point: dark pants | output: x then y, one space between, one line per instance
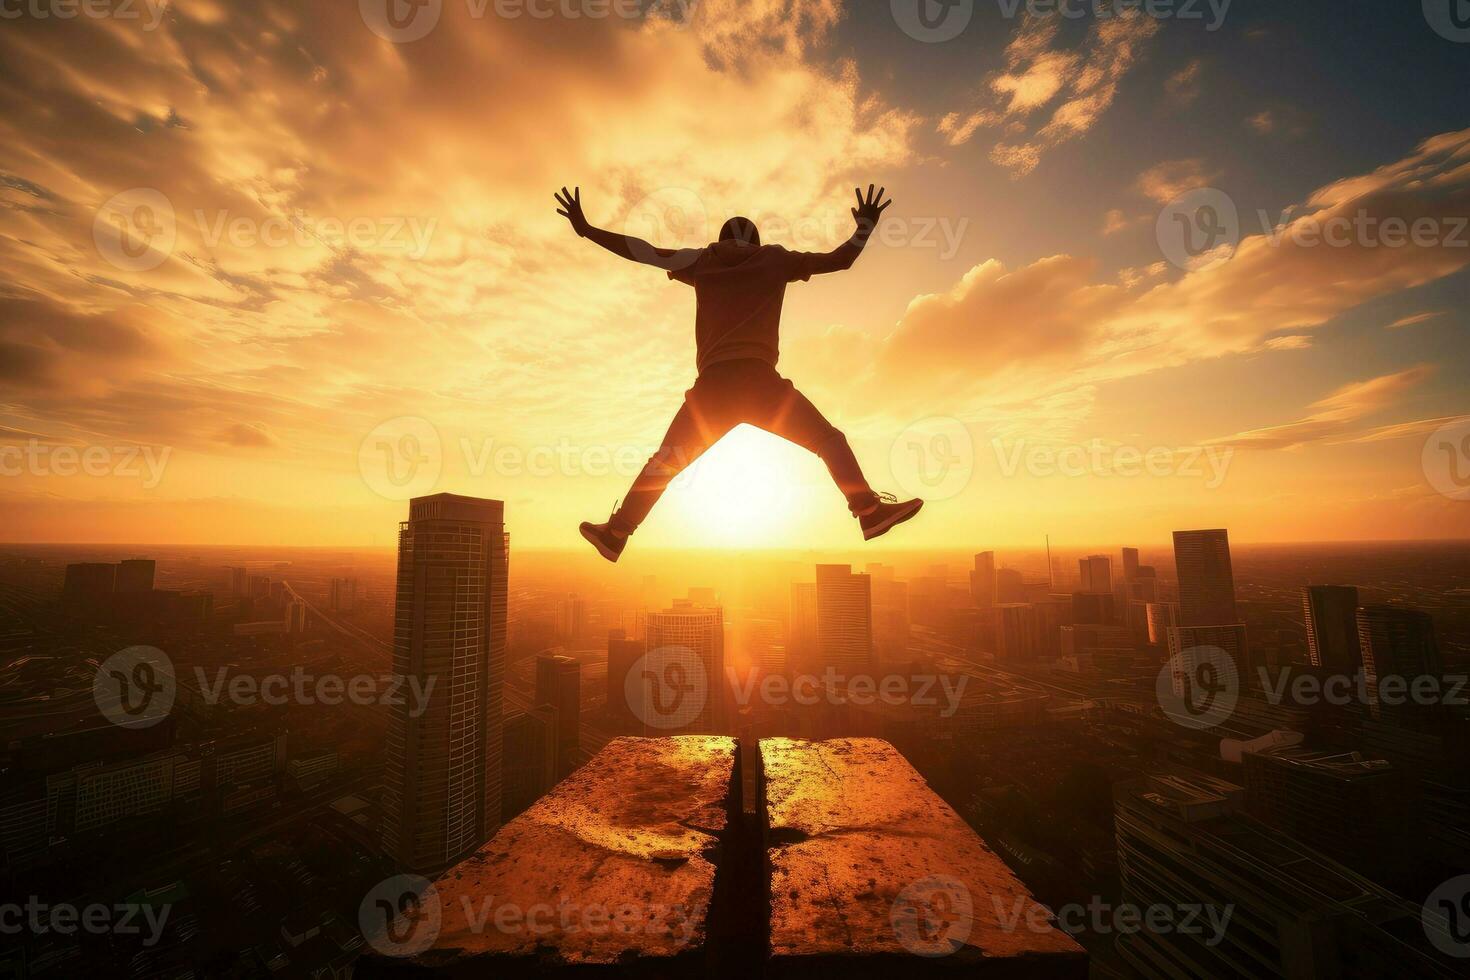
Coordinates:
725 395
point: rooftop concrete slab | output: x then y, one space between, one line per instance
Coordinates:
871 872
613 871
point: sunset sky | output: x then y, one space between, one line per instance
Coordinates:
336 254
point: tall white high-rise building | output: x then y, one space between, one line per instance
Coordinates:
686 649
844 618
801 641
442 765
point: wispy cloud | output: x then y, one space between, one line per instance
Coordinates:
1047 95
1171 179
1416 319
1337 417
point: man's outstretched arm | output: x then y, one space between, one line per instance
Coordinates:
626 246
867 215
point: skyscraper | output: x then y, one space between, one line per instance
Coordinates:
134 575
89 581
1162 617
698 634
530 758
559 685
844 618
1305 793
1271 906
1010 586
1017 632
1396 643
1130 565
890 613
1094 608
1332 627
982 580
622 656
239 578
442 763
801 642
342 595
1206 582
1096 572
573 617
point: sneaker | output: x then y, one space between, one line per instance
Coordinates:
886 513
609 544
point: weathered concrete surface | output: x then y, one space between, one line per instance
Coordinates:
613 870
872 873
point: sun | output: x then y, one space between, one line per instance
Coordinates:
751 489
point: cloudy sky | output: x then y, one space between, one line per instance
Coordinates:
272 267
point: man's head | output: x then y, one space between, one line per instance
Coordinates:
740 230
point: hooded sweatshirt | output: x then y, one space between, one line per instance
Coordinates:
738 290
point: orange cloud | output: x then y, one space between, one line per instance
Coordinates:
1077 87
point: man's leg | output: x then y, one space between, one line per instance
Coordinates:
688 437
795 418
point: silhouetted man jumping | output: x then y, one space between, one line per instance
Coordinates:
738 286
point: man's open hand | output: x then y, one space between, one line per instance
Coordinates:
869 211
571 209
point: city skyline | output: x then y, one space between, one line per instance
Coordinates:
920 658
